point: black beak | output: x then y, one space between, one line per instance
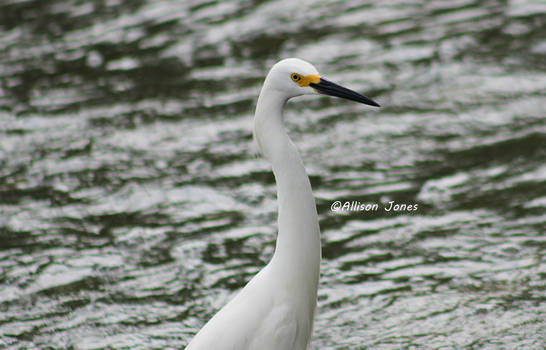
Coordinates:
326 87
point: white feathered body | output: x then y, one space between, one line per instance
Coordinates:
275 310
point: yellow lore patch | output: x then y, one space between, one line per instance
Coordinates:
304 81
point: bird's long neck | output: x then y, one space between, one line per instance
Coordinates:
297 253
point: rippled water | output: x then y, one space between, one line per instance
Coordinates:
132 205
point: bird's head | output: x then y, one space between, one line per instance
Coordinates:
295 77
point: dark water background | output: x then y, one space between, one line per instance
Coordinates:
132 206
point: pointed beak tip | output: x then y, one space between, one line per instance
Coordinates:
368 101
327 87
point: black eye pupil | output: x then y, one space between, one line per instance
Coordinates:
295 77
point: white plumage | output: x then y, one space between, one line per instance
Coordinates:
275 310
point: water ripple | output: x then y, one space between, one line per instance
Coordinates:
132 206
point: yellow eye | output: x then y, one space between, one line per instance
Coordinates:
295 77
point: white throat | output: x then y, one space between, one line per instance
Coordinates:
298 252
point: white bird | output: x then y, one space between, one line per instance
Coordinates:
275 310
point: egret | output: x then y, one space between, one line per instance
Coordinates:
275 310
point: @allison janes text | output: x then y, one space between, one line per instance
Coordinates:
356 206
